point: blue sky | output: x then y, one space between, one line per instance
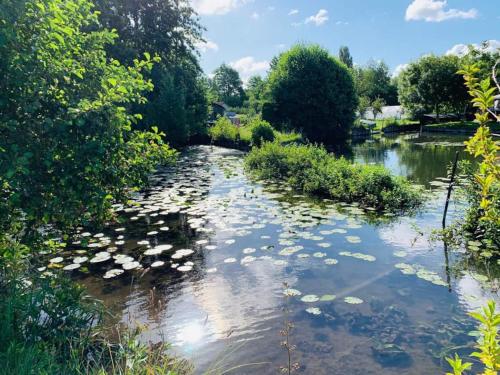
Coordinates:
248 33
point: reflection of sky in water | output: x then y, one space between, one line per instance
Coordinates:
206 314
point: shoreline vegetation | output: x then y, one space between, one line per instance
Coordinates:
312 170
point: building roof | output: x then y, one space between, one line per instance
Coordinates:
221 104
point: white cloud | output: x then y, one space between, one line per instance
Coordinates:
281 46
293 12
248 66
319 19
462 49
435 11
255 15
216 7
208 45
399 69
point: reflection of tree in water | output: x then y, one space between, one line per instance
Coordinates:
422 158
425 162
374 150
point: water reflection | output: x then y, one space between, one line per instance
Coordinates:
421 158
249 237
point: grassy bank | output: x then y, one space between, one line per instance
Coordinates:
224 133
468 127
314 171
50 326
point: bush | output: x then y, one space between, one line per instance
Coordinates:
224 131
262 131
311 92
312 170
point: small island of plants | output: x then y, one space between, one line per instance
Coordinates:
312 170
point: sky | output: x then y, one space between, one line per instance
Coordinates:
247 34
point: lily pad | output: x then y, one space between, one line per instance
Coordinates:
353 300
314 310
310 298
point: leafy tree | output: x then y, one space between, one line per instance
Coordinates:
256 92
431 84
377 107
363 106
228 86
67 147
345 56
311 91
169 29
374 81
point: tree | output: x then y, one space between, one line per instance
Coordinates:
256 92
171 30
345 56
67 147
377 107
363 106
228 86
431 84
312 92
374 81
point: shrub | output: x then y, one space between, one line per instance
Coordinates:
312 170
224 131
262 131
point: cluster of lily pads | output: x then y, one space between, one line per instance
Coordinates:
312 298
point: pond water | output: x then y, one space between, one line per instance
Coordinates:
365 296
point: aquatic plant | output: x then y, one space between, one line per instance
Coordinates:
285 332
312 170
488 347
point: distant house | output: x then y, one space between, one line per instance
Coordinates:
220 109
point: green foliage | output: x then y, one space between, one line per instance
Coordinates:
170 29
224 131
377 107
374 81
345 56
311 92
481 184
363 106
227 86
314 171
262 132
256 92
431 84
50 326
66 134
488 347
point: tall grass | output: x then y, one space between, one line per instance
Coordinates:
50 326
314 171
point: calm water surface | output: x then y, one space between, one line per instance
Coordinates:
223 305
